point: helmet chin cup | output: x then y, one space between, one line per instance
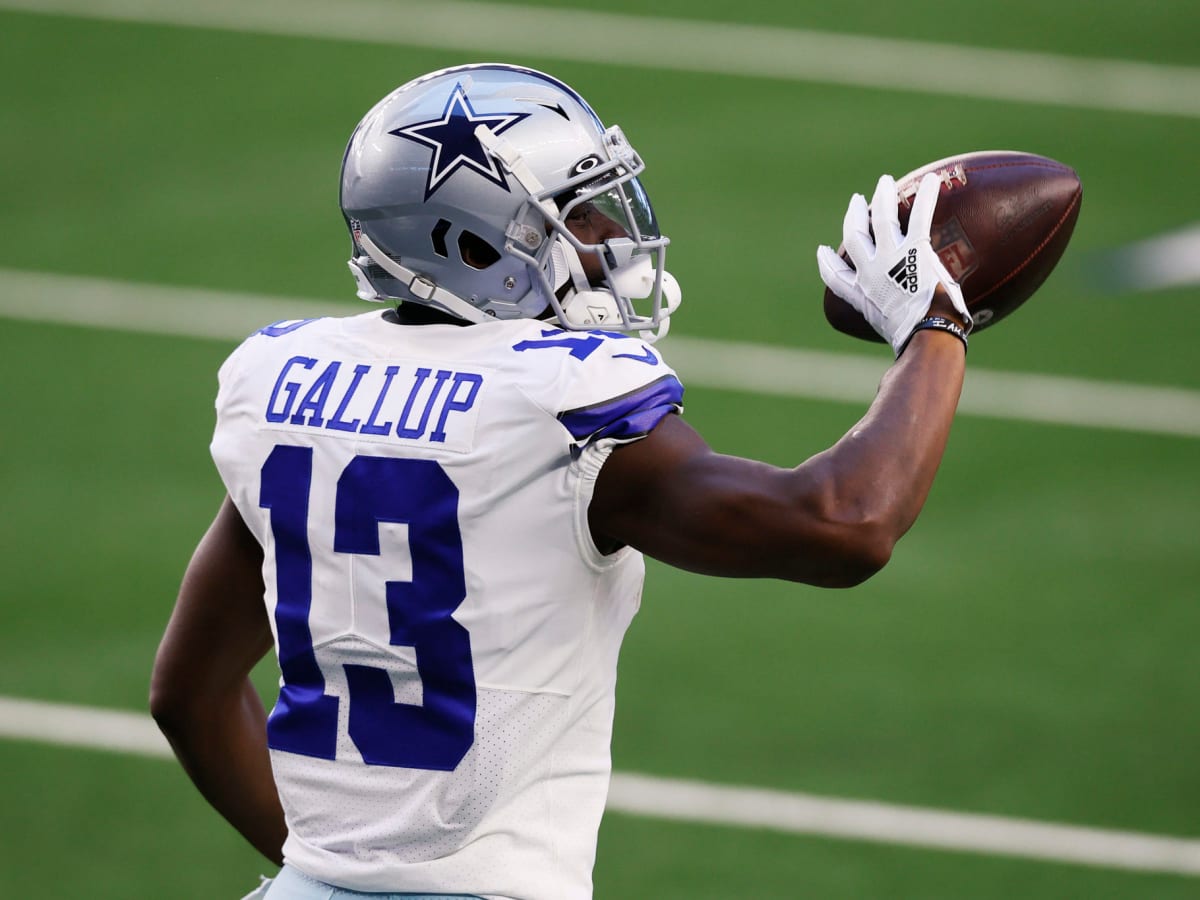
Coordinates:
590 309
597 308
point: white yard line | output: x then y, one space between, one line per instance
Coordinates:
753 368
1165 261
489 30
696 801
1048 399
81 726
885 823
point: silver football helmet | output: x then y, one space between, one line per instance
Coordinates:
457 188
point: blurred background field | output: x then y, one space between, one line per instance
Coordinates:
1030 651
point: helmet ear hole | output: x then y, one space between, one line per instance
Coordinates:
476 252
438 237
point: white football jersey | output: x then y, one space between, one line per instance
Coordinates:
446 630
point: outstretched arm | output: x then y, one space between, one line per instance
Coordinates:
834 519
831 521
201 694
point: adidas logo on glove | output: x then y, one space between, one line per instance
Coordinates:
904 273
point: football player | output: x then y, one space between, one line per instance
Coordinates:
437 513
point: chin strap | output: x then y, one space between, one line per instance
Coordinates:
513 161
421 287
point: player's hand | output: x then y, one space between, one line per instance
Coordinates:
894 275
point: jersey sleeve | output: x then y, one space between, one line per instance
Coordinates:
617 392
627 417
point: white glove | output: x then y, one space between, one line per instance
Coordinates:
894 275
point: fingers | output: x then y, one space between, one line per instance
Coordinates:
885 215
834 270
838 276
953 291
924 203
856 231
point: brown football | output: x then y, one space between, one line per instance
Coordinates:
1002 221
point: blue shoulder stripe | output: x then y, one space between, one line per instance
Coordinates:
629 416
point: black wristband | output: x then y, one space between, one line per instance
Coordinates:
936 323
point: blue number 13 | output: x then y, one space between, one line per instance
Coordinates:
372 489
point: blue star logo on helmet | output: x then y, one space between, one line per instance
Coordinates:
452 139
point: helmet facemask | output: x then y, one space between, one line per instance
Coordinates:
629 266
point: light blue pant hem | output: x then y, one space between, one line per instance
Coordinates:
292 884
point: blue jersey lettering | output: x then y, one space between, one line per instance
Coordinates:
371 400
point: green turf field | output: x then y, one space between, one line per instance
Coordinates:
1030 651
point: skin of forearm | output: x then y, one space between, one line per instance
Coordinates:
223 748
894 452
